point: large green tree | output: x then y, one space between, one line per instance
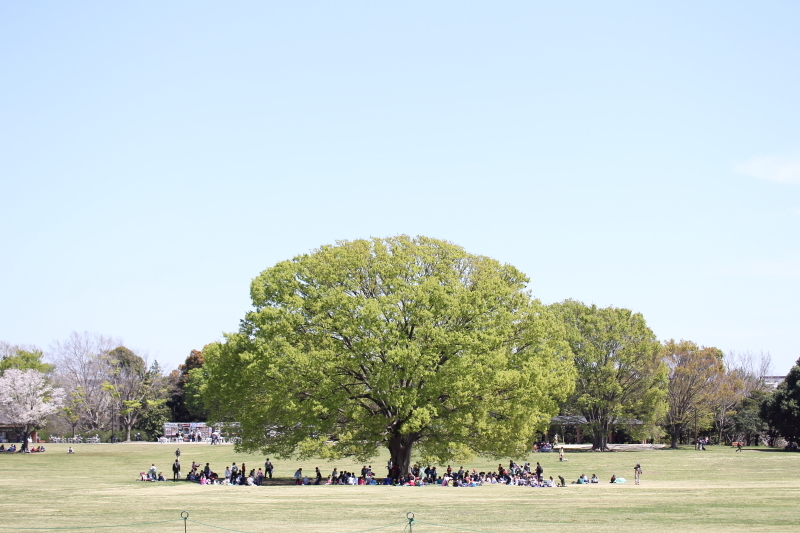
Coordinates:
621 376
394 342
781 409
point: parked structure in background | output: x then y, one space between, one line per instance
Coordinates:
772 382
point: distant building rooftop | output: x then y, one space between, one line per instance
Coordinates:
772 382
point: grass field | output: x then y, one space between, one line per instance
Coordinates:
716 490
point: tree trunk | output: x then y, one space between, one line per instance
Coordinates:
25 433
127 433
600 440
675 434
400 448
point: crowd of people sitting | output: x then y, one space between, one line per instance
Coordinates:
233 475
13 448
515 474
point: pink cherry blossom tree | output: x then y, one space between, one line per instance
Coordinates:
27 399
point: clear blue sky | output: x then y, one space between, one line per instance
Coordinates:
156 156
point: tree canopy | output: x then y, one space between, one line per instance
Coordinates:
396 342
620 375
23 358
781 410
695 375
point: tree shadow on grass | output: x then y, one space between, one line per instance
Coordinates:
781 450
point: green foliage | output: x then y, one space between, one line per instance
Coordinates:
620 374
152 418
695 377
191 408
396 342
747 422
781 409
25 360
194 390
131 385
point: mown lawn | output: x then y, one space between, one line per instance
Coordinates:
715 490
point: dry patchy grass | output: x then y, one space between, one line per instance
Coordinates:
716 490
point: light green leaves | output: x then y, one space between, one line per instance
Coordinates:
365 342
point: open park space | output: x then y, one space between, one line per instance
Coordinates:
720 489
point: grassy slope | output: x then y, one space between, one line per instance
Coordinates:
716 490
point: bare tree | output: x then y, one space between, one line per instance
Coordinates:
745 373
751 367
82 369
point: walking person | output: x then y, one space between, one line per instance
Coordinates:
178 454
268 468
637 472
539 471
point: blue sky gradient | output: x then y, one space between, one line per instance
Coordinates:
155 157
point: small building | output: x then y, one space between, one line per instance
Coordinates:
772 382
10 432
187 430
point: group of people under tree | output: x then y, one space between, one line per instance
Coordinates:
513 475
204 475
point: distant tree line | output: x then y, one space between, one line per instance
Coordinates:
92 384
414 344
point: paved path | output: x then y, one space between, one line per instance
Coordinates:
615 447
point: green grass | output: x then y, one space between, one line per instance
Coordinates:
716 490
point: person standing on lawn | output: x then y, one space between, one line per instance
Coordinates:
176 470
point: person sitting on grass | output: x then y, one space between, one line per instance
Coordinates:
594 479
161 477
613 478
